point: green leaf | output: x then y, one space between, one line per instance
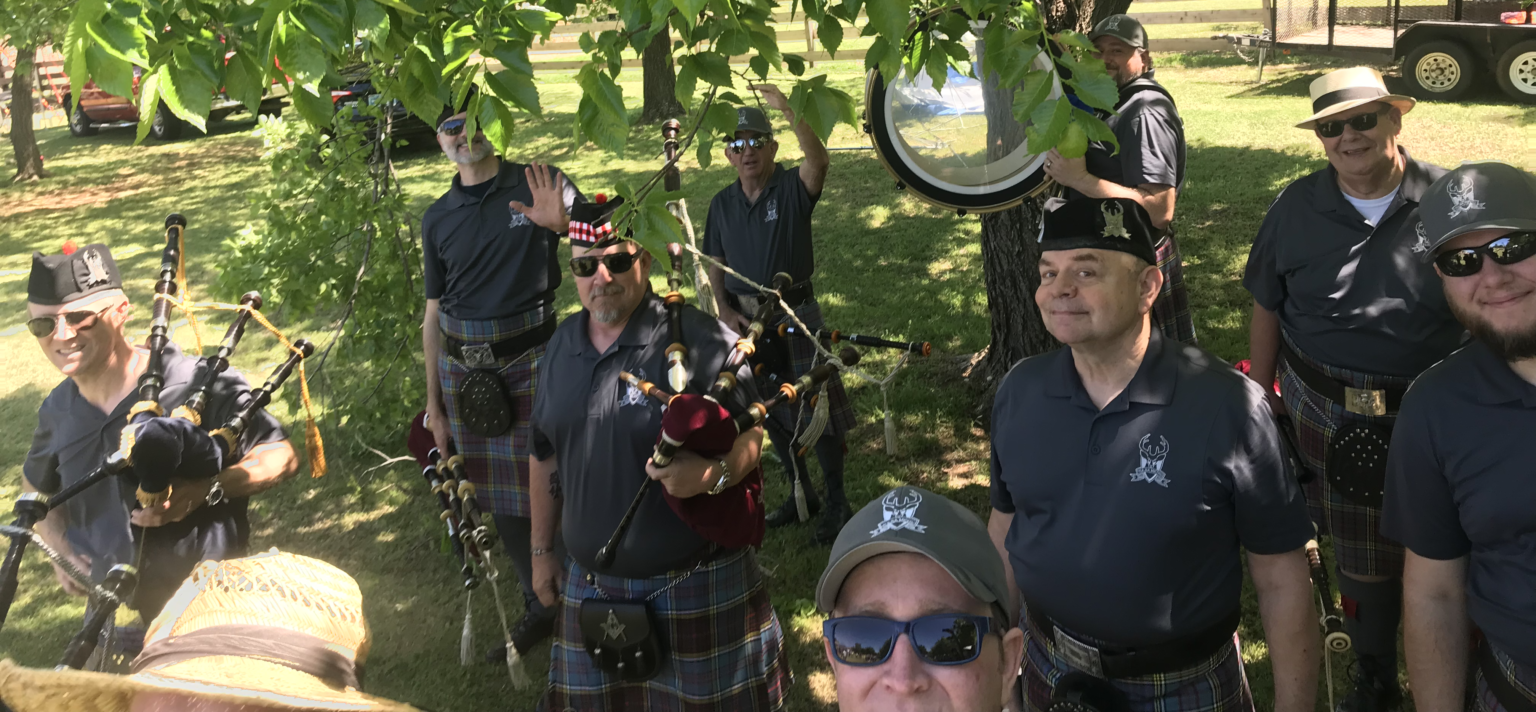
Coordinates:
890 18
1048 124
1074 142
513 54
687 84
188 94
149 100
515 88
119 37
1096 129
758 65
795 63
315 109
690 8
1036 87
372 22
721 119
496 122
652 225
111 73
420 84
712 67
705 152
850 10
734 43
766 41
1096 90
600 126
301 56
1077 40
458 43
602 90
243 80
400 6
830 32
321 25
938 69
77 38
536 21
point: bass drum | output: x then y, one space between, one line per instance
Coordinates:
938 144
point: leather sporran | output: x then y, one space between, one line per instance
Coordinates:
621 638
1081 692
1356 465
485 407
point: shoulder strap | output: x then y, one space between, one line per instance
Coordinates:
1139 85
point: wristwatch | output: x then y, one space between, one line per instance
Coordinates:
216 493
725 476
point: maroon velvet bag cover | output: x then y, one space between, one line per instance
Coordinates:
733 518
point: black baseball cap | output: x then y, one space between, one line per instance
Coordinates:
912 519
1118 224
751 118
60 279
1123 27
1477 196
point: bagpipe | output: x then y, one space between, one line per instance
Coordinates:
154 449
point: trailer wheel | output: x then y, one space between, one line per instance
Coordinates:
1517 72
1440 70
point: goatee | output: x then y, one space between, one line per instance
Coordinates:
1507 345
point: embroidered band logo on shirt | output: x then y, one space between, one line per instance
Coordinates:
519 220
632 395
1152 459
1114 220
1462 198
900 513
773 210
1422 245
96 272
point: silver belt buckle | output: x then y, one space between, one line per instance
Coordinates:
478 355
1080 655
1364 401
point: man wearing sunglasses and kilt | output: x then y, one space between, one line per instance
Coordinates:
1129 473
79 314
945 638
1346 313
673 621
761 226
1460 492
491 270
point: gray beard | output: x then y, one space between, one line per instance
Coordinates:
478 151
1509 346
610 314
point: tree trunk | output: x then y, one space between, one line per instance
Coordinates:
29 160
660 80
1009 249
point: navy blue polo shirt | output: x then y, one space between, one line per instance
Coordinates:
74 437
763 238
602 432
1348 294
1128 520
1151 136
1461 481
484 260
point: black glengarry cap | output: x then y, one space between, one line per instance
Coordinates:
1115 224
59 279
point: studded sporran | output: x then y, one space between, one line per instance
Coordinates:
621 638
1357 462
484 404
1081 692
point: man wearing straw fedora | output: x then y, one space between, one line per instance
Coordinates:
270 632
1346 314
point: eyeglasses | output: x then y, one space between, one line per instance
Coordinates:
864 641
1506 250
616 262
77 320
740 145
452 127
1363 122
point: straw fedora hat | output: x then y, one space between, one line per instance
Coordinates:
1345 89
272 631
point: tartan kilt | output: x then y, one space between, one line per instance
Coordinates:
1358 544
498 466
802 358
724 647
1171 310
1216 685
1522 678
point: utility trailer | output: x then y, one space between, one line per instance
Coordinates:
1445 46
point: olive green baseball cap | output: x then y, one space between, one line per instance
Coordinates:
1123 27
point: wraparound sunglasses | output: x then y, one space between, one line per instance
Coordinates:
947 639
616 262
1506 250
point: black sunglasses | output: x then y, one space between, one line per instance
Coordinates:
1506 250
740 144
948 639
1363 122
616 262
452 127
77 320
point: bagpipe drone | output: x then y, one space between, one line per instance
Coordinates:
155 448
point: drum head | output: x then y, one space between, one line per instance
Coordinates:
958 147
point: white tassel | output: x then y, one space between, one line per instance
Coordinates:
467 636
819 419
515 669
801 509
890 424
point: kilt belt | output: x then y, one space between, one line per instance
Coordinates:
1318 419
1215 684
498 466
1117 662
1503 685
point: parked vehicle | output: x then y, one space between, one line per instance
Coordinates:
359 91
97 109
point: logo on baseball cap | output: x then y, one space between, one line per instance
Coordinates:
1477 196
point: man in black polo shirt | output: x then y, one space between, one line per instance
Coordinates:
1128 473
1460 489
491 272
1348 314
1148 166
78 311
761 226
593 437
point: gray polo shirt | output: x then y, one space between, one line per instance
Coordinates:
763 238
1460 483
1347 294
73 438
1151 136
1128 520
483 260
603 431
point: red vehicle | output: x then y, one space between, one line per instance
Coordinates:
98 109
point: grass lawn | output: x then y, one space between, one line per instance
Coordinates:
376 523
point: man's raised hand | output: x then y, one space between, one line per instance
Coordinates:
548 194
772 96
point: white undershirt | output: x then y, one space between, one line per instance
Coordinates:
1372 209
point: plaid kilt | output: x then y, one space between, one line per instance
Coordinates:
498 466
725 650
802 357
1171 310
1358 544
1216 685
1521 677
